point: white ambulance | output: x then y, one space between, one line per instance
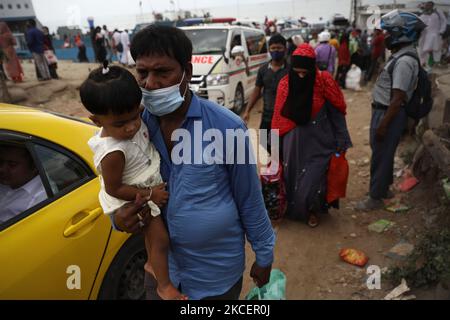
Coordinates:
226 60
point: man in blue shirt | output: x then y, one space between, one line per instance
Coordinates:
35 42
213 207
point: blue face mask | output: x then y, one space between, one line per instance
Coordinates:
277 55
163 101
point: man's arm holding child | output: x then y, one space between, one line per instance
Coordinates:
112 170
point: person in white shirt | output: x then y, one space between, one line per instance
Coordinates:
116 45
107 36
126 58
430 41
20 184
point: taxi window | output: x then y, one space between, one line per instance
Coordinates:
63 172
256 42
33 173
21 186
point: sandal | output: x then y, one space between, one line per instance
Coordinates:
313 221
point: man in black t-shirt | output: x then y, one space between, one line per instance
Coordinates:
269 75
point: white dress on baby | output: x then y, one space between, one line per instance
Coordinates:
142 164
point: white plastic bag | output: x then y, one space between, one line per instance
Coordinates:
50 57
353 78
131 62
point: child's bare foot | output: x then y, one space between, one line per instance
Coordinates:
170 293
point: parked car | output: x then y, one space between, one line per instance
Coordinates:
304 32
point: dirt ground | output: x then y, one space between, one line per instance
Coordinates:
308 257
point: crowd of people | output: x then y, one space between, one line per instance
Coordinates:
111 46
107 45
40 44
301 90
366 49
196 217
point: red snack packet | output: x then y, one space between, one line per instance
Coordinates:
353 256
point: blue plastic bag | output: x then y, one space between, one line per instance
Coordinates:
275 289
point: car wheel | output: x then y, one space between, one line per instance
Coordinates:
124 279
239 102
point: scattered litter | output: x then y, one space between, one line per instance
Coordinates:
399 173
381 226
407 184
398 291
353 235
397 208
400 251
407 181
354 216
352 162
353 256
398 163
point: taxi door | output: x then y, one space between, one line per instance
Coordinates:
54 249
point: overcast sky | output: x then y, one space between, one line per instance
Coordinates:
126 13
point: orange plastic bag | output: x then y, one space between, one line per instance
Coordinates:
353 256
337 178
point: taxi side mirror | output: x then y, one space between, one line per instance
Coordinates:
224 54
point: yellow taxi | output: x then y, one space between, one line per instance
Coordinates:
63 246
